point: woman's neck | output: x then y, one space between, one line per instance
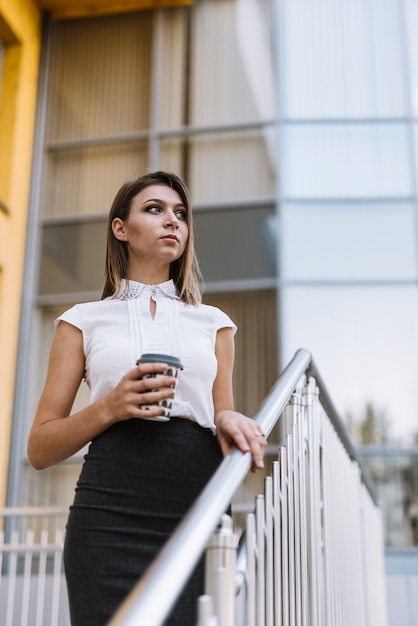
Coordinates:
148 278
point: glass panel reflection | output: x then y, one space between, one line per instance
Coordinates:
171 32
86 181
235 244
100 76
347 241
173 153
415 135
233 166
72 257
346 160
343 59
411 8
395 475
231 74
365 342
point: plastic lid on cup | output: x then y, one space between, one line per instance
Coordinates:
160 358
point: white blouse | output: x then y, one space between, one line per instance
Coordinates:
117 331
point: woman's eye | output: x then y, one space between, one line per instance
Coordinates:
154 208
182 215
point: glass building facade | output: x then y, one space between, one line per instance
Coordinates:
348 200
348 225
295 125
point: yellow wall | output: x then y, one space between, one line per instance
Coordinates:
20 31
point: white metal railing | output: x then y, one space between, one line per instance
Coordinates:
152 598
32 586
312 554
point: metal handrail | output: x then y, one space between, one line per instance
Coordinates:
155 594
33 511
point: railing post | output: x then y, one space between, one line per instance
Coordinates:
206 612
221 555
314 502
293 416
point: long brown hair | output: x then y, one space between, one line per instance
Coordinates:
184 271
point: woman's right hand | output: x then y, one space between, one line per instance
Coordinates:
135 390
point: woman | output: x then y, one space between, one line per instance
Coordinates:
140 476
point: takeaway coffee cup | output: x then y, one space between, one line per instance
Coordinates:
173 369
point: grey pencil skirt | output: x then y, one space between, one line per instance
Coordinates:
138 480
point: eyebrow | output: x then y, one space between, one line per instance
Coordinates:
163 202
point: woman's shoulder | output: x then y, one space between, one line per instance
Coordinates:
211 314
86 312
92 306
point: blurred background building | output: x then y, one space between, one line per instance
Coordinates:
295 125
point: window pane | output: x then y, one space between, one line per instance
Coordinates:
86 181
170 108
231 71
72 258
349 160
100 76
348 241
396 480
415 134
255 368
73 255
173 155
365 342
232 166
235 244
342 59
411 7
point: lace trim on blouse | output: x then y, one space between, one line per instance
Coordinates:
131 289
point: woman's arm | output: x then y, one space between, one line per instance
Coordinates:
55 434
233 427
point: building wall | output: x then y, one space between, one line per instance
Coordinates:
20 34
80 168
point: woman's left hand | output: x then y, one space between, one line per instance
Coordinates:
234 428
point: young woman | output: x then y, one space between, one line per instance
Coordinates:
139 476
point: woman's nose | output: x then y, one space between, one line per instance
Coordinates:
172 219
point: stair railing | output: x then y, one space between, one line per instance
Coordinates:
32 584
312 553
155 594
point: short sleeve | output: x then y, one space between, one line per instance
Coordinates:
72 316
224 321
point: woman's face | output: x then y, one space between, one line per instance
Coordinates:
156 230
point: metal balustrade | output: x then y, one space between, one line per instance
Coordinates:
32 586
311 553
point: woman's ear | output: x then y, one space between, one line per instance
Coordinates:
118 227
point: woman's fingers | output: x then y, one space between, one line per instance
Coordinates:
235 428
143 385
258 443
